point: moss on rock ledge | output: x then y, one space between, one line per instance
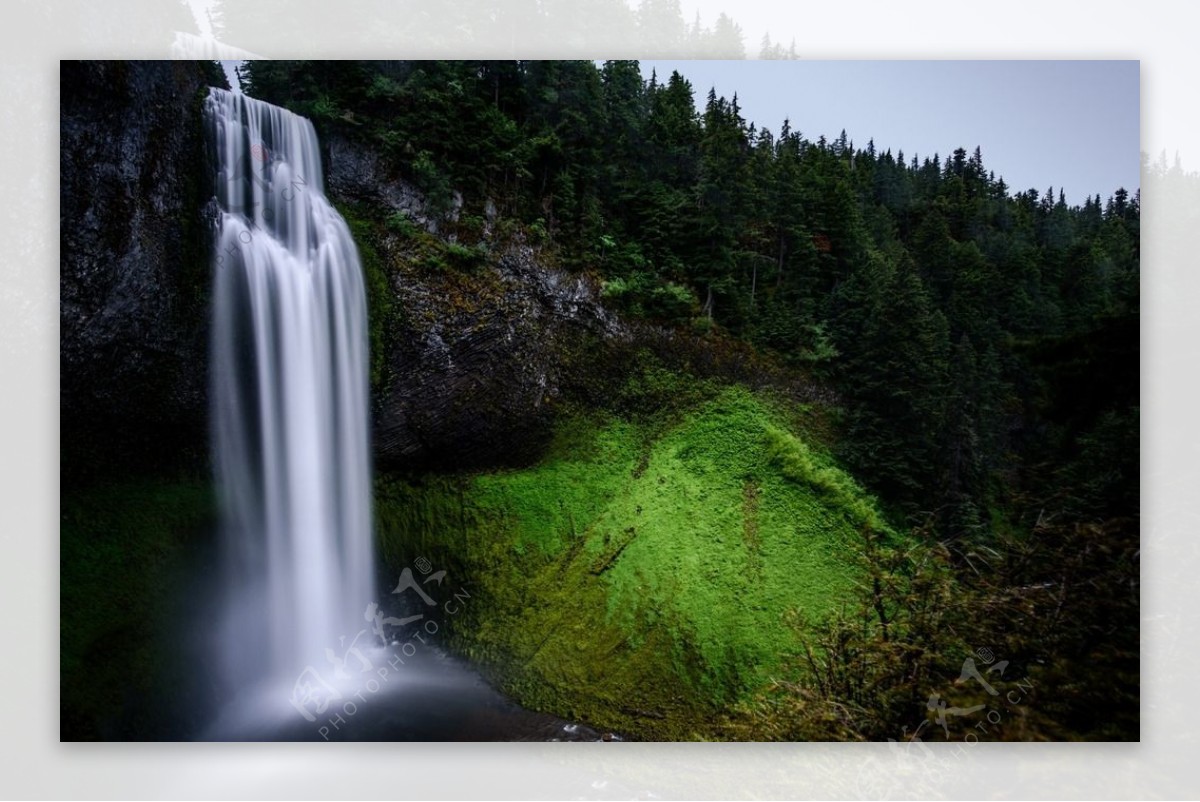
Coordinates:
639 576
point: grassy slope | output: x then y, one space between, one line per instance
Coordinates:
639 575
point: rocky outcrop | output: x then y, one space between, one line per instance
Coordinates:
474 380
482 343
476 357
135 256
358 174
474 362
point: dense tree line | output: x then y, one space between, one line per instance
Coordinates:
983 339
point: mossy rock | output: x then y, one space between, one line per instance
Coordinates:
640 577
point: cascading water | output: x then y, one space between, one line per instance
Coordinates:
289 398
290 440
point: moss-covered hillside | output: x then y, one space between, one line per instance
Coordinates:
639 576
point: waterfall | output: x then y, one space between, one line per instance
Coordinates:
288 398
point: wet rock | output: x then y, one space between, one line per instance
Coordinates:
475 383
135 252
476 362
358 174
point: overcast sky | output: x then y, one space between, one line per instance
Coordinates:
1073 125
1070 124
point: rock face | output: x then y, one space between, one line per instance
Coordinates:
476 355
475 359
473 362
135 248
357 174
473 356
476 387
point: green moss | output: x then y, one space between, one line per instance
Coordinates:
395 252
124 551
402 225
381 306
466 257
639 576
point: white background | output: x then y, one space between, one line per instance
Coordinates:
35 36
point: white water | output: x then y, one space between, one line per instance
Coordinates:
289 399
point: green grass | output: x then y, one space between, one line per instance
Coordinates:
638 577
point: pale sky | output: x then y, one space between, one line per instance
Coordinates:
1073 125
1070 124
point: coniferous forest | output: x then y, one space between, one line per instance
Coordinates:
848 434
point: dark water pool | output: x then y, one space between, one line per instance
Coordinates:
431 696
